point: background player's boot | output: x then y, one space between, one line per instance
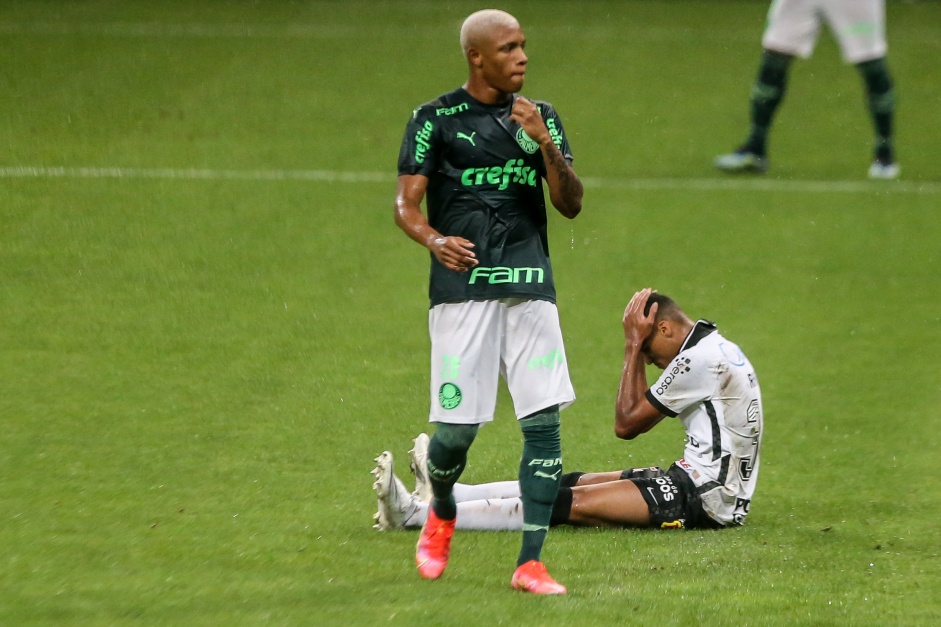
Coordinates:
434 545
418 462
884 170
395 502
742 161
532 577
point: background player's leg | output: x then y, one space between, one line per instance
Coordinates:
539 476
491 515
480 515
767 94
881 103
591 478
495 490
617 503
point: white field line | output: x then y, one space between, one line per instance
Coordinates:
737 183
163 29
328 176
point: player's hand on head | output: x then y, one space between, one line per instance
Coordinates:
638 326
454 253
526 114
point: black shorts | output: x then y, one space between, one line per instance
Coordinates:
672 498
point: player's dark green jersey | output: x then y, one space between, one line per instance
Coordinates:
484 184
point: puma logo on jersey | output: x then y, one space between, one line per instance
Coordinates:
469 138
544 475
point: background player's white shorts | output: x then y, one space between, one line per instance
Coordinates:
474 342
858 25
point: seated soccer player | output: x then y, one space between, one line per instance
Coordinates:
707 383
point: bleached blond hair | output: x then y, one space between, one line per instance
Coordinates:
479 23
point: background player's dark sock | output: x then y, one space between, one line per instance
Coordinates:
881 101
562 506
447 456
767 93
539 476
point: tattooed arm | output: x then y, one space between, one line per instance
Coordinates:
565 188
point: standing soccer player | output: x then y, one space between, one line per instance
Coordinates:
792 30
479 154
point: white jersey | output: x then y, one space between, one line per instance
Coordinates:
712 388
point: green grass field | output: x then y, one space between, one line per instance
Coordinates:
210 324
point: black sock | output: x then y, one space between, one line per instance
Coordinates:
562 507
881 103
767 93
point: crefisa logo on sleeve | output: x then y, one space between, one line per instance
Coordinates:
421 141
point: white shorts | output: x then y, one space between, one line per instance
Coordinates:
474 342
858 25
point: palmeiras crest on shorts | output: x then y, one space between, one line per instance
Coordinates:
449 396
528 144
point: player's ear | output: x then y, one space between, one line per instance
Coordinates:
665 328
474 58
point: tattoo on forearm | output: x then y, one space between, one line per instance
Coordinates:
569 185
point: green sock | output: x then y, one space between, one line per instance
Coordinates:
539 476
447 456
881 102
767 93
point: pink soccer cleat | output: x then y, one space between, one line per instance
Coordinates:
434 545
532 577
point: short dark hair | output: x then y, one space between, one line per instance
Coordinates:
667 309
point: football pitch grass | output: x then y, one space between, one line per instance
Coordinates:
210 324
